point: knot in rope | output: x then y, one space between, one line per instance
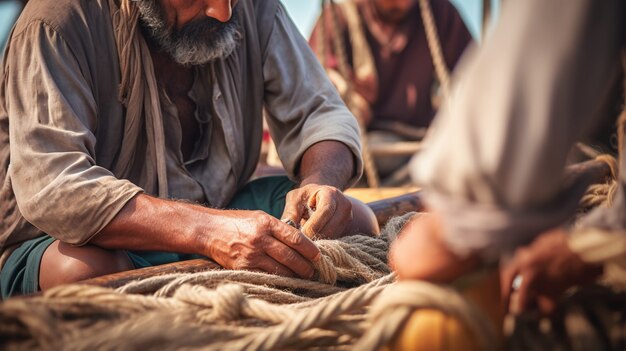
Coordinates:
227 301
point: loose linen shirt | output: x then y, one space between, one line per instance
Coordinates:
493 165
61 124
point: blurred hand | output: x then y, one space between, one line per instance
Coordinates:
546 268
322 211
419 253
256 241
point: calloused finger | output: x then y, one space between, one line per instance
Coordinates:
325 207
268 264
336 224
526 291
295 207
506 280
290 258
294 238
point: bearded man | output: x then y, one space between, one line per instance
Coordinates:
120 119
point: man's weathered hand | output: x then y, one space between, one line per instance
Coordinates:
419 252
545 269
256 241
321 210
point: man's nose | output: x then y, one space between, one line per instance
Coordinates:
221 10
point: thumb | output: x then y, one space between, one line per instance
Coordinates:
293 211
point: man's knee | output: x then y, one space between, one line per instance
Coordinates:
363 219
63 263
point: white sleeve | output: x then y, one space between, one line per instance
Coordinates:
494 162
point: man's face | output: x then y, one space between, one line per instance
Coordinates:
393 10
193 32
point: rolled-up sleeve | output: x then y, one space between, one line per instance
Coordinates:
493 165
302 106
58 186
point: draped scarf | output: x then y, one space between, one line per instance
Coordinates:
139 94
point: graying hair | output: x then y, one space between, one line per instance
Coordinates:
195 43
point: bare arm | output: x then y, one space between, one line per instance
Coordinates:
235 239
327 163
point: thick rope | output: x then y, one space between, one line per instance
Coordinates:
434 45
225 310
219 310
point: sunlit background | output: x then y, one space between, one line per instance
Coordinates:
303 12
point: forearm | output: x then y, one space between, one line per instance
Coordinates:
149 223
327 163
235 239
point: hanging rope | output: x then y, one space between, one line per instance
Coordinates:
434 45
329 8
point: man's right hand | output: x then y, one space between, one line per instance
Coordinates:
545 269
251 240
256 241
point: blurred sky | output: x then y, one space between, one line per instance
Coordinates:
8 13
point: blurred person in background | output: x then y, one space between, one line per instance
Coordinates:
394 85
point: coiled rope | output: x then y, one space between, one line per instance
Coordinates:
236 310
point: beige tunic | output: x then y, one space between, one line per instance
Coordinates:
493 165
61 124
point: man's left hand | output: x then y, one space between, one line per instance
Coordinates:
321 210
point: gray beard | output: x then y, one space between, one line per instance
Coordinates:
196 43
